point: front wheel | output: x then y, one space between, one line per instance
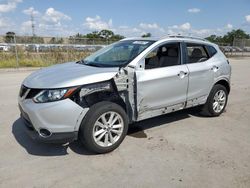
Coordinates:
104 127
216 102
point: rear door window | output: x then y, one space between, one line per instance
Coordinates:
196 53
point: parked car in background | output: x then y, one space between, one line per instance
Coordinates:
95 99
4 48
246 49
238 49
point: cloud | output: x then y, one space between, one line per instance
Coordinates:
6 25
149 26
54 22
184 27
53 16
3 23
187 30
247 18
229 26
96 23
201 32
26 26
153 28
194 10
51 22
9 6
30 11
129 31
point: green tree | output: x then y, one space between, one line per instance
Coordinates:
106 34
229 37
146 35
55 40
93 35
117 37
36 39
239 34
9 37
212 38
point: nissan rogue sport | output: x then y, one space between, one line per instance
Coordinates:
95 99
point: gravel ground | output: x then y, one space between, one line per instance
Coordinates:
181 149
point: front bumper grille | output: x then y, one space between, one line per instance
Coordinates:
23 90
26 119
29 92
32 93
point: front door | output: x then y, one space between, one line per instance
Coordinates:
163 83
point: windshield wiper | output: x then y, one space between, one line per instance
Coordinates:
80 61
92 64
89 63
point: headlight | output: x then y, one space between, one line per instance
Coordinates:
51 95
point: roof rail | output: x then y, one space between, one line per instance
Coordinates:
189 37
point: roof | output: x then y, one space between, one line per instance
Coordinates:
142 38
181 37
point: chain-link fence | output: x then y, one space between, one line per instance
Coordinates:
240 48
27 51
23 51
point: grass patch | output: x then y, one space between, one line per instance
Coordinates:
39 59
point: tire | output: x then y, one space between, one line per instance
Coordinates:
110 135
209 108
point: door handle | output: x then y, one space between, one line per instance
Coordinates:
214 68
182 74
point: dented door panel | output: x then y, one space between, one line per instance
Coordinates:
161 87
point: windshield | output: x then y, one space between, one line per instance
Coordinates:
117 54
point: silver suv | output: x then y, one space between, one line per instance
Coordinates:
95 99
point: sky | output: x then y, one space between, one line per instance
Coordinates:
62 18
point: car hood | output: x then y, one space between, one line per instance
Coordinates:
68 75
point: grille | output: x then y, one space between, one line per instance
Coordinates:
32 92
23 90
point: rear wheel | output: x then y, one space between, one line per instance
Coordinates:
104 127
216 102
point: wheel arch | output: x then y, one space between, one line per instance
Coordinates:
89 95
225 83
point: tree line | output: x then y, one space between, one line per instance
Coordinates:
106 35
228 38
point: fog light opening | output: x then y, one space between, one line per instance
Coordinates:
45 133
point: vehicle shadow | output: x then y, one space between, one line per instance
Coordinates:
135 130
42 149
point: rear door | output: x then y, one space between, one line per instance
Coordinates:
201 73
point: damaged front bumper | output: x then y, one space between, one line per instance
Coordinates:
52 122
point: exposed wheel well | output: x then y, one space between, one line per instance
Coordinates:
104 96
225 84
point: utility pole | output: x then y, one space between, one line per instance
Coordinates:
32 24
17 59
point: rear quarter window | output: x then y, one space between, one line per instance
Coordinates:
211 50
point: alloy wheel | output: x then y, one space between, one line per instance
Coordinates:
219 101
108 129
